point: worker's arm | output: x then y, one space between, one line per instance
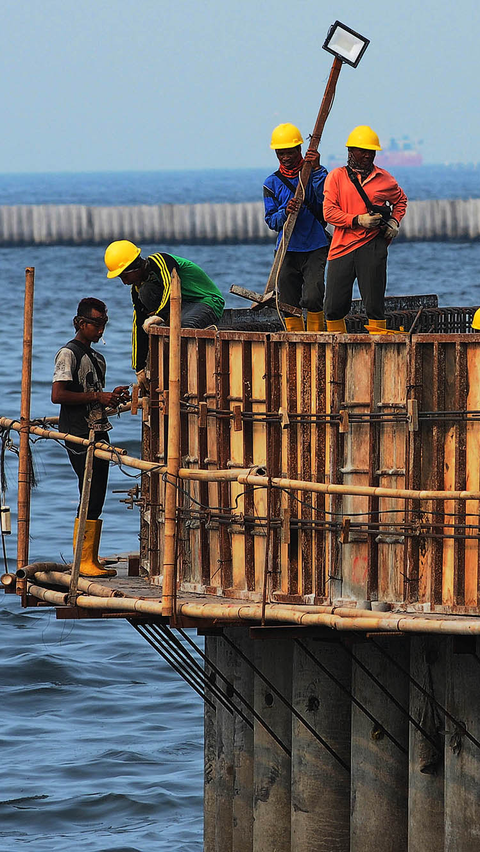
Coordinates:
275 212
332 209
111 399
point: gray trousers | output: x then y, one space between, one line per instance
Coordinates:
367 264
301 281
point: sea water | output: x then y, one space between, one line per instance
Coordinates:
101 743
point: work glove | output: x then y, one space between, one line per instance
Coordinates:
143 382
153 320
369 220
391 230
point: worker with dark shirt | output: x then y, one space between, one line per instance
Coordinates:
149 279
78 387
302 273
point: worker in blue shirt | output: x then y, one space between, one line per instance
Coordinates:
301 280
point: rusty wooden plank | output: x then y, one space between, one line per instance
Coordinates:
259 455
449 476
460 404
248 461
376 363
237 452
413 449
273 379
292 464
305 450
320 403
472 507
201 365
222 374
437 465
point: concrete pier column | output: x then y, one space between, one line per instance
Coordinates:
210 755
379 781
243 676
320 784
223 803
271 828
426 775
462 757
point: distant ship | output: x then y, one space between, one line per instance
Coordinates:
399 153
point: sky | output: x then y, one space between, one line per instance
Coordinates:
95 85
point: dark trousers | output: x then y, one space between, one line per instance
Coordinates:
301 281
197 315
368 264
78 456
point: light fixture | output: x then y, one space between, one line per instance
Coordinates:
345 44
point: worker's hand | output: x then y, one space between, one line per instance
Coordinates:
110 399
293 206
313 157
153 320
369 220
143 382
123 394
391 230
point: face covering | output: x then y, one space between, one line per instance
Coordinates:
364 166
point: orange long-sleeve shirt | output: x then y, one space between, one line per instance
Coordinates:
342 202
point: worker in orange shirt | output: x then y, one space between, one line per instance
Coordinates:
366 206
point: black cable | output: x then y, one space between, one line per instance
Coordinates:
290 706
460 725
242 698
352 697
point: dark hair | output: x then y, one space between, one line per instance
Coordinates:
86 306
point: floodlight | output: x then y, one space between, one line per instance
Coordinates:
345 44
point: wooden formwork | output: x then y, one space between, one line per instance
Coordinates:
394 412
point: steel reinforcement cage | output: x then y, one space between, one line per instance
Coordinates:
396 412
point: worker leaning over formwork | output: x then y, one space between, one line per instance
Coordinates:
78 387
301 279
366 206
149 279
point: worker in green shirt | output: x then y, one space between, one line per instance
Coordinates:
149 280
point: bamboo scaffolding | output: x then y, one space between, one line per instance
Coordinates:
363 490
24 468
58 578
173 448
280 613
118 454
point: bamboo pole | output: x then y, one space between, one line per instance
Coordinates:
24 468
173 449
364 490
58 578
280 613
229 475
82 518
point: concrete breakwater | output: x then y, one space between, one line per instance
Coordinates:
77 224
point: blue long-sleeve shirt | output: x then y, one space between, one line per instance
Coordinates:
308 233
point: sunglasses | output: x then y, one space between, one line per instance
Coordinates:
98 322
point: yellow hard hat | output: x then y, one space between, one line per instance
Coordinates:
119 255
363 137
286 136
476 319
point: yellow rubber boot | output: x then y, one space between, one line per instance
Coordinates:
315 321
294 323
89 564
376 326
337 326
